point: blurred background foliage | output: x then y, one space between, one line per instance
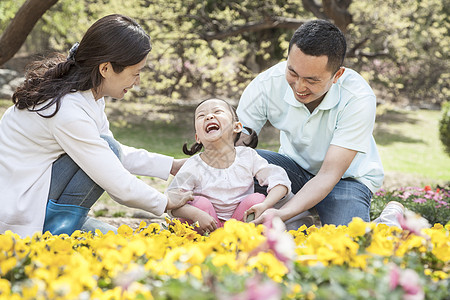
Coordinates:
204 48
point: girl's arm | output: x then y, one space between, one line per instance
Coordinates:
272 176
273 196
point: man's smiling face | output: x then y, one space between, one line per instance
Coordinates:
309 77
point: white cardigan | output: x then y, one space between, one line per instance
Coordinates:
29 144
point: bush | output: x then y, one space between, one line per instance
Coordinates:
444 127
432 204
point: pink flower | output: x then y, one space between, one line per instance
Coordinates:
278 240
125 279
413 222
420 200
257 289
408 280
394 276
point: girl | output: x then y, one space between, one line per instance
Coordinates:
57 152
222 176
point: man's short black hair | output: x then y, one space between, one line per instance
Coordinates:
320 37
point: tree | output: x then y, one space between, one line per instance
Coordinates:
336 10
21 25
214 48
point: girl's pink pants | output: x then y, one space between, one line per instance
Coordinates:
204 204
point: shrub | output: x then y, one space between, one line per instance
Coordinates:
444 127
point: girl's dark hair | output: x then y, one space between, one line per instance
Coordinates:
115 38
197 147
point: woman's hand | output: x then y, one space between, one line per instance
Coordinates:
177 198
206 222
176 165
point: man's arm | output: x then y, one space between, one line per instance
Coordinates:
337 161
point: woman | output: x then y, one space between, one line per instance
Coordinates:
57 152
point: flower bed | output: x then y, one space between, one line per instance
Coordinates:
432 204
239 261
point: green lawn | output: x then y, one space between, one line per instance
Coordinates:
408 141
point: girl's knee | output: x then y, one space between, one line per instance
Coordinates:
202 203
253 199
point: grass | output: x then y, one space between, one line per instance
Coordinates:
407 140
409 145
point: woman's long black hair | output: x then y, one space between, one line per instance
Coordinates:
197 147
115 38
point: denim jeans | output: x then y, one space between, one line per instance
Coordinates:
71 185
349 198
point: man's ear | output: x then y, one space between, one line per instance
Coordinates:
237 127
103 68
338 74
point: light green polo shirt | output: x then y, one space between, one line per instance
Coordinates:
345 118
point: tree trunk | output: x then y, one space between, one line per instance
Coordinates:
21 25
336 10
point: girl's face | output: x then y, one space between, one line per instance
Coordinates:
116 85
214 121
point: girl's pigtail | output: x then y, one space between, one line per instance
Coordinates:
253 138
194 148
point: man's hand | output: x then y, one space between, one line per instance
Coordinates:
257 209
177 198
273 212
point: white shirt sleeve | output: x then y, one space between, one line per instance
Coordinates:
252 106
142 162
268 174
355 124
78 136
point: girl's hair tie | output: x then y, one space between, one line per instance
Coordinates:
73 51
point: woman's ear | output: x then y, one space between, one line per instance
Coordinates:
103 68
237 127
197 140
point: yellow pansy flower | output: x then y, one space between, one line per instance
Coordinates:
357 227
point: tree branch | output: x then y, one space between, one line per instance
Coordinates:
273 22
21 25
311 6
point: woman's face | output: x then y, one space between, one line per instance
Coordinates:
214 121
116 85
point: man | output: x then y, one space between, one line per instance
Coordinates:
325 114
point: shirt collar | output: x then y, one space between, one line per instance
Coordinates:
331 98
